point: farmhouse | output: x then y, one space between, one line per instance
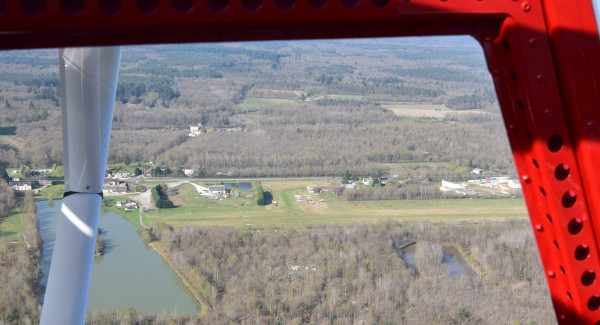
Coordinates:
352 186
109 181
124 174
188 171
127 204
112 185
217 189
20 186
195 130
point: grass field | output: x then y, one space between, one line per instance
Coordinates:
110 205
55 190
240 212
255 102
13 141
418 110
11 226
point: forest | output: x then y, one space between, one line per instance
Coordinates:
275 108
356 274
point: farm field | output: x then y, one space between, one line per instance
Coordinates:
416 109
268 97
11 226
261 102
193 209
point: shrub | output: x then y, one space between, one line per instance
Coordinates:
260 196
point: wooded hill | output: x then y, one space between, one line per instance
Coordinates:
292 109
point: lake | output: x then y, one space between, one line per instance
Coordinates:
129 275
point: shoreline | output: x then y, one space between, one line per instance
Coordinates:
203 306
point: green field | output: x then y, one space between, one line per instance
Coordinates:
11 226
56 191
110 205
194 209
256 102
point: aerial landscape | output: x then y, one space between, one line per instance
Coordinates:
319 182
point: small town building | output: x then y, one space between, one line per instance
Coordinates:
21 186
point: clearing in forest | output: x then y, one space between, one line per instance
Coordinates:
298 208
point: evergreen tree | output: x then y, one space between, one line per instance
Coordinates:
3 174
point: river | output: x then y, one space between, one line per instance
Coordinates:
129 275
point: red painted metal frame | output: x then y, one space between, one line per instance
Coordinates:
543 55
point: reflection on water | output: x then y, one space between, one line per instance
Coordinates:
130 275
408 255
241 186
457 265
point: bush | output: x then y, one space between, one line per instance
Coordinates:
260 196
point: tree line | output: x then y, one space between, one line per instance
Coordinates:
160 198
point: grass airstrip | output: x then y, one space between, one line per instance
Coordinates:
194 209
327 208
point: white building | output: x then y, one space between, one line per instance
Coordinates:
20 186
123 174
195 130
217 189
351 186
514 184
458 188
188 171
477 171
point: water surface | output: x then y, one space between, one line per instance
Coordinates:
129 275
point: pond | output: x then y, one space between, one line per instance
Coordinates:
129 275
457 265
240 186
